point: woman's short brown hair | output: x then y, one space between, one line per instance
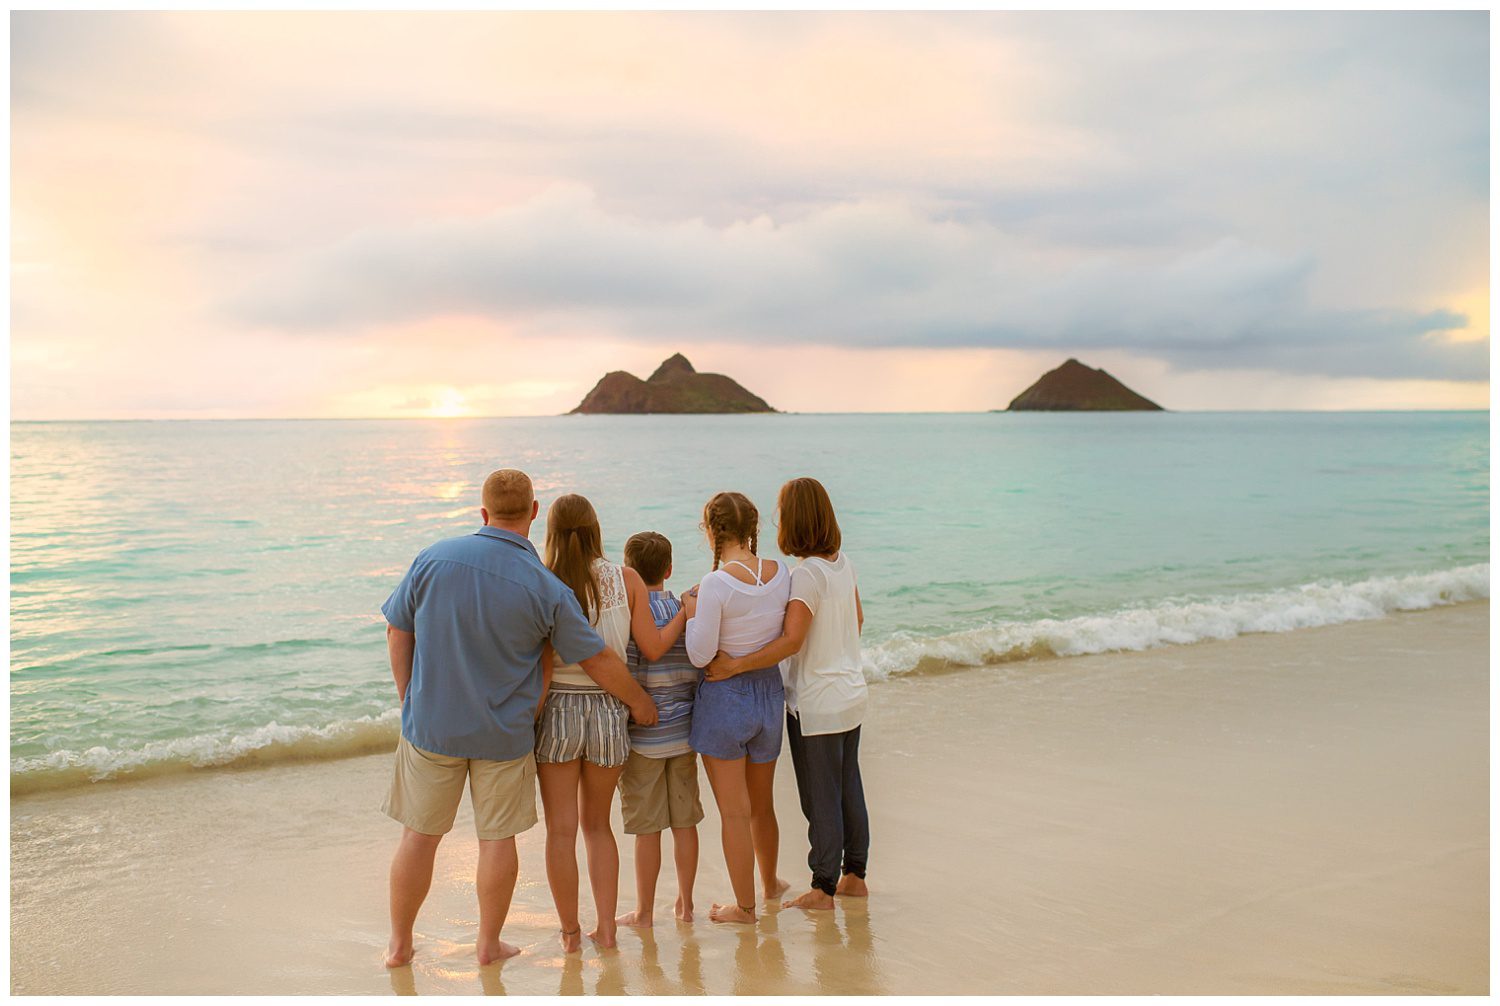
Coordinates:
807 525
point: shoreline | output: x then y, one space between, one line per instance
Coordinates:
1303 811
981 648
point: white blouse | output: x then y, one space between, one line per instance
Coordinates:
825 680
736 617
612 621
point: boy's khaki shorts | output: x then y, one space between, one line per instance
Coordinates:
426 789
660 793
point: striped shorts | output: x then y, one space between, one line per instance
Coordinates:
586 724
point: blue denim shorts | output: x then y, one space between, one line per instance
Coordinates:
740 716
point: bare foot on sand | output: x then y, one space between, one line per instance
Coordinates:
683 910
851 886
637 918
398 953
814 899
777 889
497 951
730 913
603 937
571 941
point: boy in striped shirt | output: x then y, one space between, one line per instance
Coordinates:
659 787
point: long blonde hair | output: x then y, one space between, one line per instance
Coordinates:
573 543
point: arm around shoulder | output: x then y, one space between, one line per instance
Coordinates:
653 642
702 629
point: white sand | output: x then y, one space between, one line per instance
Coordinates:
1284 813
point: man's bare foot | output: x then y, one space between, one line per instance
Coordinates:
497 951
814 899
851 886
603 937
637 918
571 942
398 953
683 910
777 889
730 913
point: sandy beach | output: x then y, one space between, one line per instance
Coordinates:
1302 812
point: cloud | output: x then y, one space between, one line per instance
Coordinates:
877 274
1234 193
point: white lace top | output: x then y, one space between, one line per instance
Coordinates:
612 620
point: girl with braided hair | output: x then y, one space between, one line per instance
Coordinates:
737 722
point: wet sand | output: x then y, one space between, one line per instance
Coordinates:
1305 812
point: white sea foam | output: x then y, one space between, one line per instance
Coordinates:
1142 628
266 744
1165 624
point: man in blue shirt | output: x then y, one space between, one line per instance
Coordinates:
466 630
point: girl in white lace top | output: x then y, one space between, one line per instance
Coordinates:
611 621
582 735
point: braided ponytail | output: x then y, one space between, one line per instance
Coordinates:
731 516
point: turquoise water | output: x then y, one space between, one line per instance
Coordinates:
198 593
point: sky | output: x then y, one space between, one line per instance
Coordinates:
391 214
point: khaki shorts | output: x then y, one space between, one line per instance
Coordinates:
660 793
426 789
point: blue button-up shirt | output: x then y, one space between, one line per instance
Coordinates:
482 605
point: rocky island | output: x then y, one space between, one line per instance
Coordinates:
675 387
1077 387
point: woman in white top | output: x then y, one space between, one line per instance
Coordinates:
737 723
825 691
582 738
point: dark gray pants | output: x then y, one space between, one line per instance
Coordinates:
833 801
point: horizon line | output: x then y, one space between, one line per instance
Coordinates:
562 415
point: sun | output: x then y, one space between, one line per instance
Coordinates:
448 403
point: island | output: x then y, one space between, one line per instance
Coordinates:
675 387
1077 387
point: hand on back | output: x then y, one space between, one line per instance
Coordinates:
721 667
644 712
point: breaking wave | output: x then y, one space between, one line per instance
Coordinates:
1174 623
264 745
1162 624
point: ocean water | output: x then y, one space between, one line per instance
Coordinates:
192 594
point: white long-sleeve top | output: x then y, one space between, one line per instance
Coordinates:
736 617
